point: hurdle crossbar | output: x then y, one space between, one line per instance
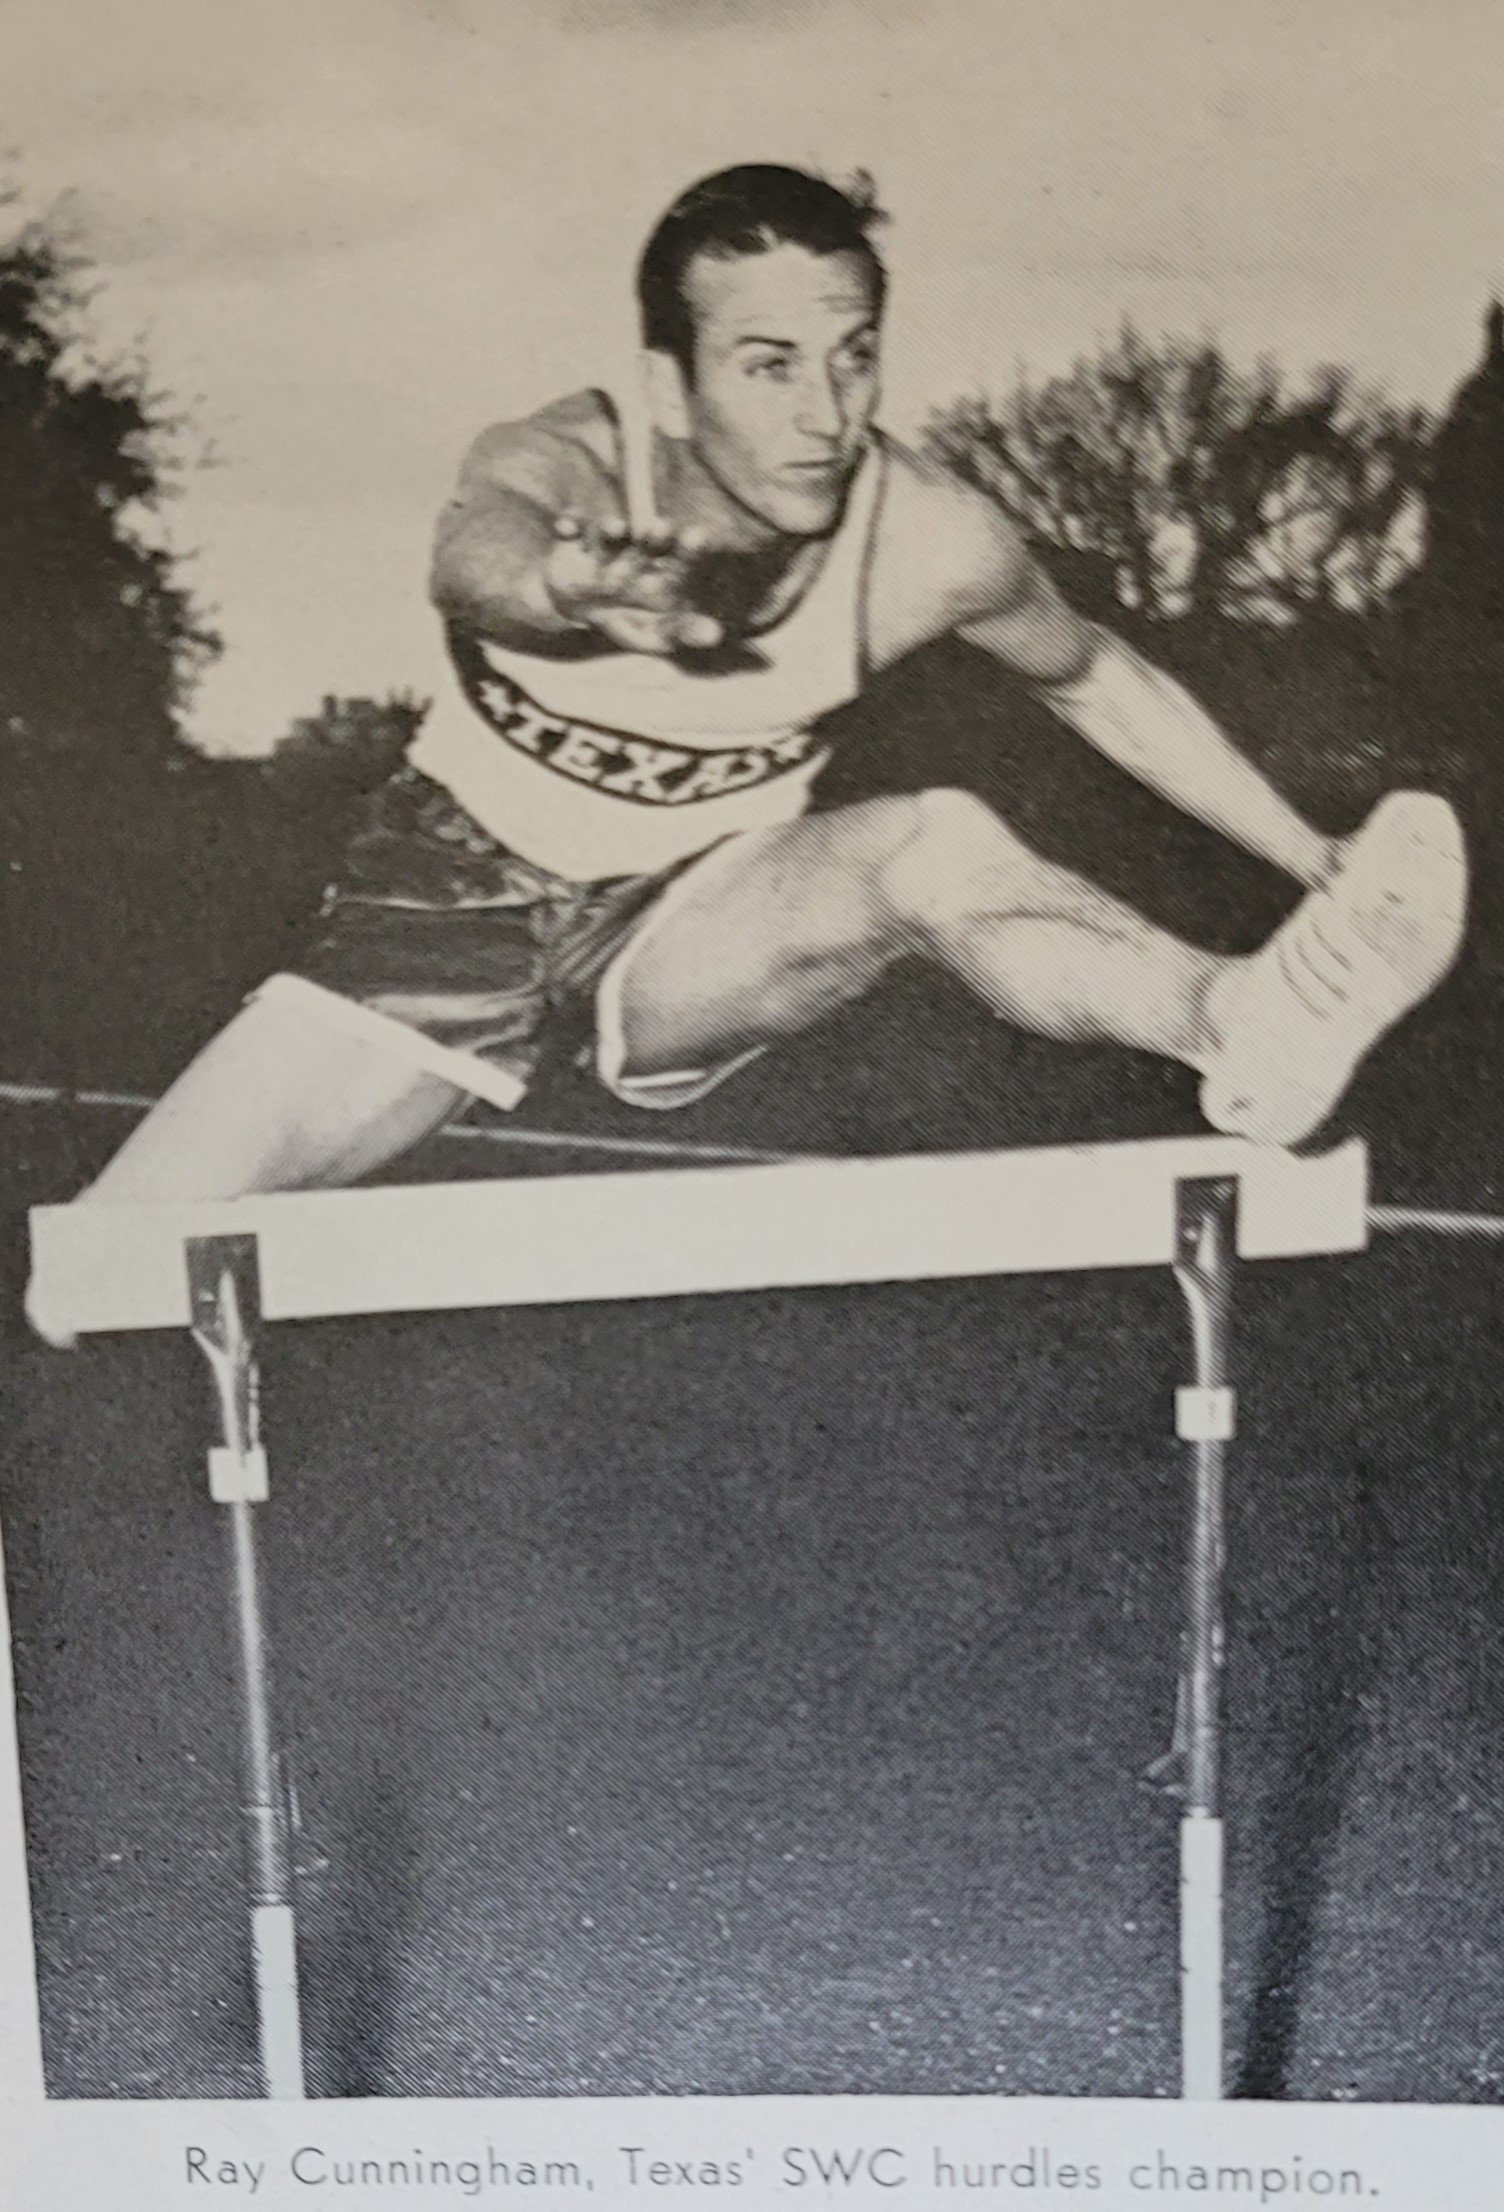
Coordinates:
1195 1205
674 1232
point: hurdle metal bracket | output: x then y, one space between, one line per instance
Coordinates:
224 1294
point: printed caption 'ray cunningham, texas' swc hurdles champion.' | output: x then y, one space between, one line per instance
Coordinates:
608 813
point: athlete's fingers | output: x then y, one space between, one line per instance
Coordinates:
571 569
647 566
621 576
631 587
639 582
697 633
636 629
671 547
642 630
614 535
658 541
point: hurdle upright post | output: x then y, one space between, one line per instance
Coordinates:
1205 1412
225 1310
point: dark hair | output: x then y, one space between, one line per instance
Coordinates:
747 210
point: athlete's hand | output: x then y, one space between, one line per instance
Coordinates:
633 590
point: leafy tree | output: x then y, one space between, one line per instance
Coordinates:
1175 483
1464 580
351 743
100 638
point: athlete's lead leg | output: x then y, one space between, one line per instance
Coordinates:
790 924
779 929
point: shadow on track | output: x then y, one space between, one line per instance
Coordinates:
354 2050
1316 1767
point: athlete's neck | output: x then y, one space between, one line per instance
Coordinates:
695 498
750 573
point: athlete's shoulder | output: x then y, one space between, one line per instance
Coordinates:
564 450
961 552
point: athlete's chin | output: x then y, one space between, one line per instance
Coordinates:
809 509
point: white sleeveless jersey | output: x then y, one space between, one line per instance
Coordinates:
619 764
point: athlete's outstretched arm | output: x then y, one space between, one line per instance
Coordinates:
535 552
1133 713
496 533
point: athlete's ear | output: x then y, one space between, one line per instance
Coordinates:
668 396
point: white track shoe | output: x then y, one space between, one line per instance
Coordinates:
1297 1019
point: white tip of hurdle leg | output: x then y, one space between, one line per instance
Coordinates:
1201 1958
274 1949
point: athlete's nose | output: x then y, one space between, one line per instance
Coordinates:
821 414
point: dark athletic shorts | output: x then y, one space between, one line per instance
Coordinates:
439 943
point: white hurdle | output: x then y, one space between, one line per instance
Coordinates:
1195 1205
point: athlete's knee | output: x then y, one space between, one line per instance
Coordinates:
952 856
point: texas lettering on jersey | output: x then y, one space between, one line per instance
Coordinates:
640 769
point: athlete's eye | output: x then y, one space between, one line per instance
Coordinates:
774 365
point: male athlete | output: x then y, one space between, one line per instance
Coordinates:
606 819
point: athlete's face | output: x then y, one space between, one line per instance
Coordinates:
784 383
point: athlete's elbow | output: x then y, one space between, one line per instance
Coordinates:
466 599
453 586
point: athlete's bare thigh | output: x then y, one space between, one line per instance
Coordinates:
763 939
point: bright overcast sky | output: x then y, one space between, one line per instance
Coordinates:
351 231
